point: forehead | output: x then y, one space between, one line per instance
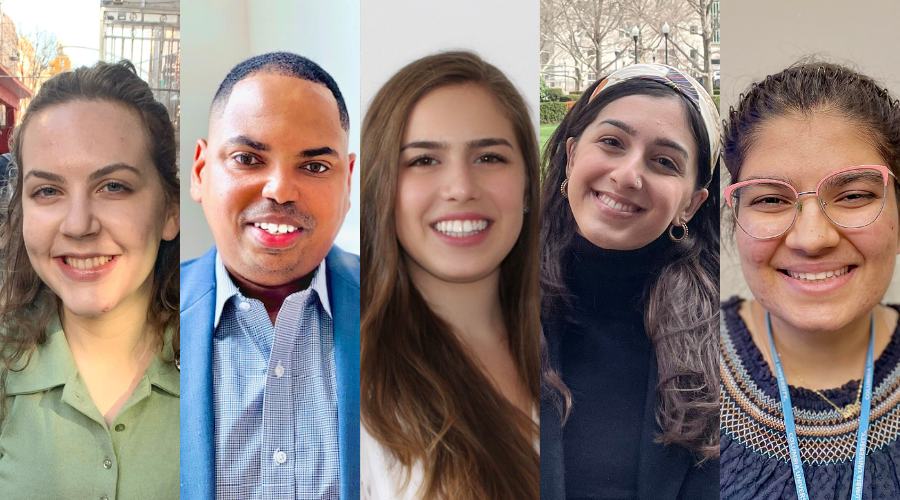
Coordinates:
650 116
281 111
458 113
803 149
84 135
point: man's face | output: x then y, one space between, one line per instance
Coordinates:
274 178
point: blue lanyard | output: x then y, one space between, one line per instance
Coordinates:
859 463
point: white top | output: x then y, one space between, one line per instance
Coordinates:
381 476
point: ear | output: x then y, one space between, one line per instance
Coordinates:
173 222
687 214
197 172
570 148
351 164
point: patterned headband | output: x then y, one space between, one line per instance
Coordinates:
676 80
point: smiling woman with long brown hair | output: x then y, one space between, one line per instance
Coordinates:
449 319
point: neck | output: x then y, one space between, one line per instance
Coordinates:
271 296
821 360
472 309
120 335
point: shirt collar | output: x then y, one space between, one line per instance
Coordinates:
225 288
52 365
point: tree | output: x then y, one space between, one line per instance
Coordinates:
42 48
585 30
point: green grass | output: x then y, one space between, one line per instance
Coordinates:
546 132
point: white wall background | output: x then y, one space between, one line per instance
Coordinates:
218 34
506 33
763 37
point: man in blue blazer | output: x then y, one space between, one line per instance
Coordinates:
270 316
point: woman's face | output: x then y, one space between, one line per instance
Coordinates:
93 206
460 187
632 172
801 151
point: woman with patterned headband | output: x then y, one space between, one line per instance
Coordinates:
629 292
810 368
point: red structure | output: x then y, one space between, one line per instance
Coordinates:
12 90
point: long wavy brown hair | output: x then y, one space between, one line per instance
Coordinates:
681 307
26 304
424 398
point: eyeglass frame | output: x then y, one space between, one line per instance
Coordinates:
885 172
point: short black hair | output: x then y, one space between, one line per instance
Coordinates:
286 64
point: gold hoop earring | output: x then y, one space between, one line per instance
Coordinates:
683 236
562 188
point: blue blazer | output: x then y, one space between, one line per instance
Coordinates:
198 299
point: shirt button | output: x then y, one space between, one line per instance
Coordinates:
280 457
104 498
120 427
245 306
279 370
107 464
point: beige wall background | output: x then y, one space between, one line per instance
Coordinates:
762 37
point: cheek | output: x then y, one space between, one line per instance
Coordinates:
413 198
753 253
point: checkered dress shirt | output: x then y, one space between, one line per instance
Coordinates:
274 396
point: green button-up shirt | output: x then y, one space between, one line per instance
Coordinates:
54 443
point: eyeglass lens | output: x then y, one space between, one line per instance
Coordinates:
765 209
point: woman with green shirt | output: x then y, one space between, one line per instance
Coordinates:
89 389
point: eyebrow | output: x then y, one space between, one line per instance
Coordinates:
768 177
97 174
473 144
668 143
243 140
620 124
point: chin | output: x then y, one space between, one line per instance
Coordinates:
813 316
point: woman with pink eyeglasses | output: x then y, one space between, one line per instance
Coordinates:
810 368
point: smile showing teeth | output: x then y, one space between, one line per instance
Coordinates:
461 228
275 228
818 277
86 263
621 207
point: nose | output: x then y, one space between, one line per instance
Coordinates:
460 182
812 232
627 173
80 220
279 186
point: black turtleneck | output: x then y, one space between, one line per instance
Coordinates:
605 358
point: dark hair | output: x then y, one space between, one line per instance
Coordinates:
806 88
285 64
26 304
681 306
423 397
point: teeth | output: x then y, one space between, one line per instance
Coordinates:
87 263
461 228
814 277
275 228
621 207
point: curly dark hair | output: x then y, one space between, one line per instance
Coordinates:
26 304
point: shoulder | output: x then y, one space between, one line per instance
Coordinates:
343 266
381 477
197 278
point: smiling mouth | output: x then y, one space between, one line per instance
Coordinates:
275 228
821 277
461 228
87 263
616 205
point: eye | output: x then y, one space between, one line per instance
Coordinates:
115 187
246 159
423 161
610 141
668 164
491 158
316 168
44 192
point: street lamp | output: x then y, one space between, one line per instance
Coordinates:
634 34
666 35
